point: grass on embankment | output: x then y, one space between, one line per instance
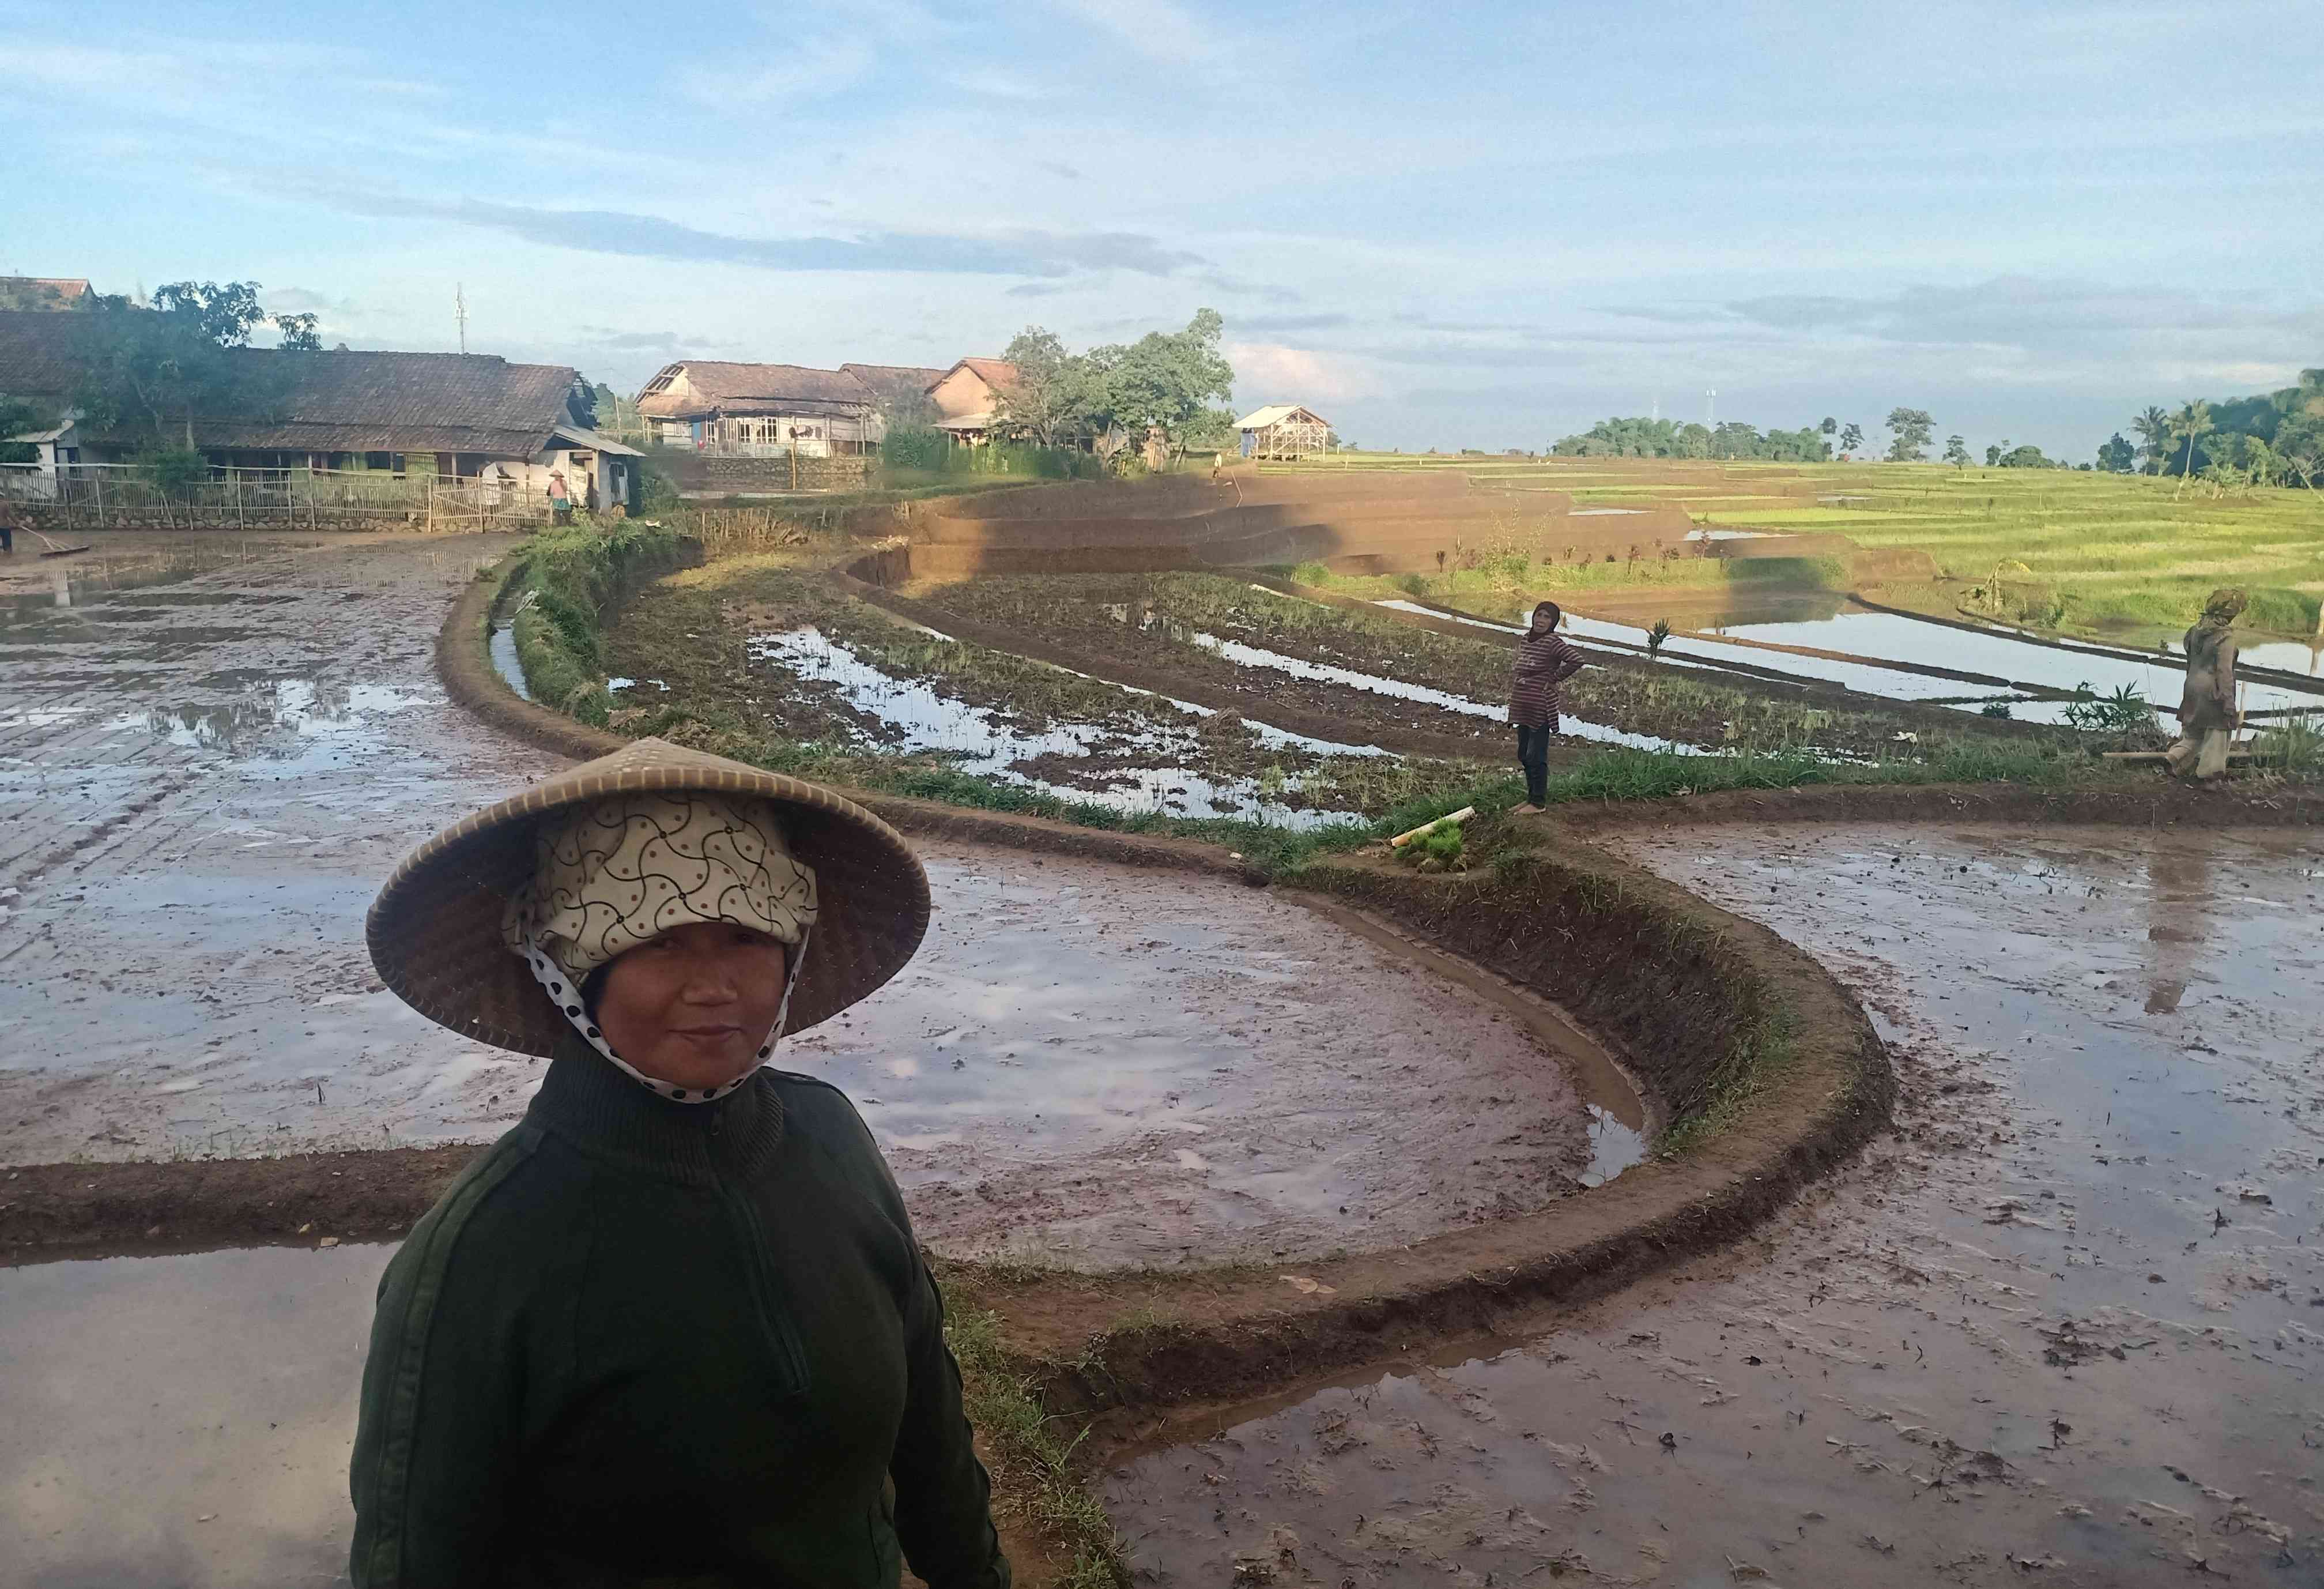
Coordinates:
564 582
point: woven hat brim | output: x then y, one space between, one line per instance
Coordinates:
435 929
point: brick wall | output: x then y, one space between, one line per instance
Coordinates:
721 476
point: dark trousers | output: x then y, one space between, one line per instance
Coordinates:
1532 755
7 539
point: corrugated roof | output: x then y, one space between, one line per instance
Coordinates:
743 389
1275 413
334 401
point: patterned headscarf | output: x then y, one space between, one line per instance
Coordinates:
613 874
2225 607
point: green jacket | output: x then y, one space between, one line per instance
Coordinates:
646 1342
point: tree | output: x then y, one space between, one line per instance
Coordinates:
1851 437
1912 428
165 366
1828 425
2028 457
2299 444
2154 427
1049 398
16 417
1993 453
1956 452
1164 378
2194 422
2116 456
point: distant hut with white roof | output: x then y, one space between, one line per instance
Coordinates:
1283 430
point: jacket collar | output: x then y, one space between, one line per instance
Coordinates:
603 1112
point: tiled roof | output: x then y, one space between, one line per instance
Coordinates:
748 389
996 373
42 292
334 402
899 387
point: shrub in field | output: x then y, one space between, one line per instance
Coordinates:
2295 745
916 447
2122 714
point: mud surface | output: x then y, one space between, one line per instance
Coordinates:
207 762
2067 1326
170 1423
207 773
1094 1066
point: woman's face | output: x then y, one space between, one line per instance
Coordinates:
693 1006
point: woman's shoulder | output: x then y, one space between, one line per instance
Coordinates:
494 1211
814 1108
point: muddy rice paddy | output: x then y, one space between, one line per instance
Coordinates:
211 759
2068 1325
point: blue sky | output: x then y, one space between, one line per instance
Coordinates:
1477 225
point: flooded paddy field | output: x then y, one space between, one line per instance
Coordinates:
182 1422
208 759
772 654
206 778
1376 667
2065 1325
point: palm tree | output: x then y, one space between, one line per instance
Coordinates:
2192 422
2154 427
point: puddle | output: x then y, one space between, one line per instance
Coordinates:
2059 1326
978 742
182 1422
1251 656
503 646
325 724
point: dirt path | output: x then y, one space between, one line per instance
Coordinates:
2067 1326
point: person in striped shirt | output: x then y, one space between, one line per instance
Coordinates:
1544 663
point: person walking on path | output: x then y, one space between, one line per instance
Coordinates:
12 519
2208 718
674 1327
1544 663
560 498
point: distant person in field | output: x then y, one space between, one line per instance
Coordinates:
2208 718
12 519
1545 662
560 497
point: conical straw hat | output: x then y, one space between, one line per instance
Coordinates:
435 929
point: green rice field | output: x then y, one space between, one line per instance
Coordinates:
2118 556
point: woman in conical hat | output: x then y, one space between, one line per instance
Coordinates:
674 1327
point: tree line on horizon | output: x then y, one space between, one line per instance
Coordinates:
2276 439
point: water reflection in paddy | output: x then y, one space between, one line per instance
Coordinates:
979 741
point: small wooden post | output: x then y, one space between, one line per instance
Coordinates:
431 504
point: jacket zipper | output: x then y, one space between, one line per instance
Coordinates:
774 1324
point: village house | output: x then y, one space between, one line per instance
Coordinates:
406 414
724 410
1283 430
44 292
968 398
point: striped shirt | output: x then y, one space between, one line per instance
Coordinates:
1545 662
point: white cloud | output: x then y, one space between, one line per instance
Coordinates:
1158 29
802 69
1269 371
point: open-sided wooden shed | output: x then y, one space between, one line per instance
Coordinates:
1283 430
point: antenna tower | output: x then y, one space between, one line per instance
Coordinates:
460 313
